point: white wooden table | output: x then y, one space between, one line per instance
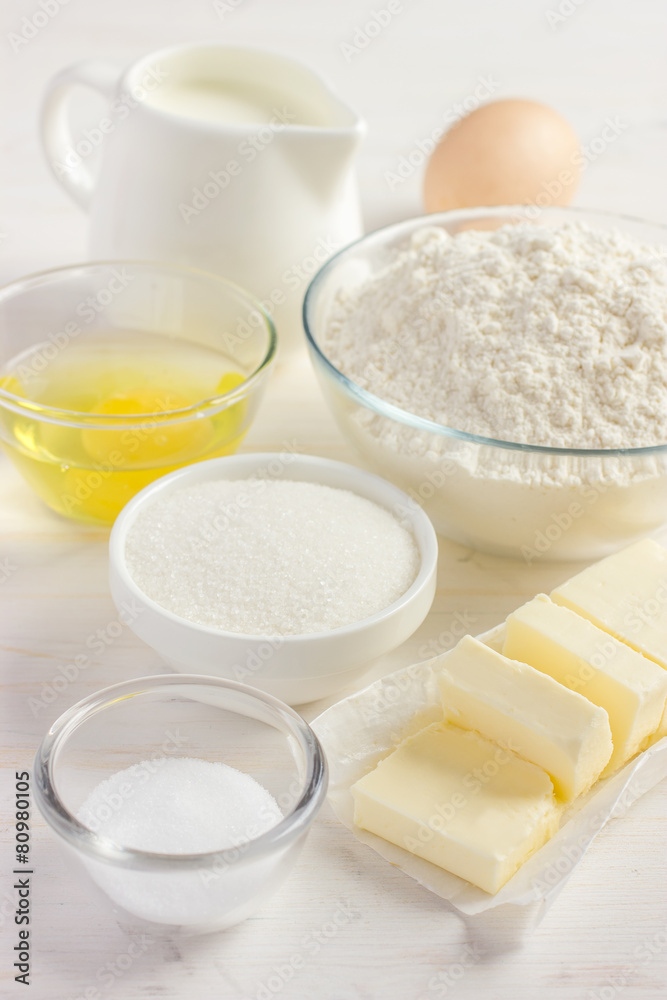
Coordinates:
360 928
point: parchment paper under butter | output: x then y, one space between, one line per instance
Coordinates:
362 729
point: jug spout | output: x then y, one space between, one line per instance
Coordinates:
323 157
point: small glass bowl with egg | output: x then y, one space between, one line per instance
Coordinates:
522 500
183 800
114 373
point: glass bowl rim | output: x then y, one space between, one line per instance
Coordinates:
390 410
221 402
282 835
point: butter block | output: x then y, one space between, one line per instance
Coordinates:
464 803
578 654
626 595
530 712
662 728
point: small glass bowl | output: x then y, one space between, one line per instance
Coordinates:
85 464
140 721
511 499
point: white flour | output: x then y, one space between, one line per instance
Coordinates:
541 336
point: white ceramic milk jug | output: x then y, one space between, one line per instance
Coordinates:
233 160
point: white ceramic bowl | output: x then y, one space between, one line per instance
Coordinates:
295 668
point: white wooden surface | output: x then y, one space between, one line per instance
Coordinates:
362 929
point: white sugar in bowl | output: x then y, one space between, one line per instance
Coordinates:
296 668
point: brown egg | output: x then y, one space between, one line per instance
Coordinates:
511 152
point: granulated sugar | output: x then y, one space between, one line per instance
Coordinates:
179 805
184 806
541 336
270 557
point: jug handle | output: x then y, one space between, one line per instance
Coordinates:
57 138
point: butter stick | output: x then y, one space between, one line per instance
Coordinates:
521 707
575 652
625 595
464 803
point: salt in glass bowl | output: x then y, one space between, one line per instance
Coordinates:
520 500
294 668
140 721
87 465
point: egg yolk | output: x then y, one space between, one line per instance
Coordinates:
153 441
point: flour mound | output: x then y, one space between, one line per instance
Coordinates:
541 336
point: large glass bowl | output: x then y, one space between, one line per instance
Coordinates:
502 497
87 459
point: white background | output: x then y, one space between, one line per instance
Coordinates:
605 59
